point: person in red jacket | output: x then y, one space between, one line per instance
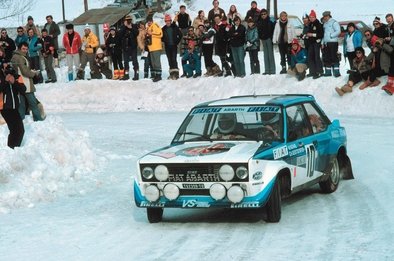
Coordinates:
72 42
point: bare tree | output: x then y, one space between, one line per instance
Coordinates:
12 8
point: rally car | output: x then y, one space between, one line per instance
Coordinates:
244 152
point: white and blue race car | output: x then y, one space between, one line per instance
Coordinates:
244 152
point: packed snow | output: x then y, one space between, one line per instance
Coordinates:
66 193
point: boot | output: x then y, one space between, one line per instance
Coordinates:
136 75
125 76
146 75
375 83
283 71
216 70
80 75
176 74
157 76
209 72
121 74
197 75
327 72
336 70
70 76
56 62
365 84
301 76
339 91
257 68
389 87
116 75
347 88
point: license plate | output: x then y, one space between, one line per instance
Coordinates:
193 186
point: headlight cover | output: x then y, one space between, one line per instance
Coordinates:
241 172
161 173
147 173
226 172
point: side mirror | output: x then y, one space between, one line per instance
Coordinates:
335 123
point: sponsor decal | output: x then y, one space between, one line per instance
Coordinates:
246 205
205 150
280 152
257 175
206 110
193 177
234 109
192 203
193 186
264 109
166 155
152 204
296 151
258 183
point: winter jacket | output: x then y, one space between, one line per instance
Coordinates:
212 13
237 36
35 29
357 40
291 34
361 65
76 43
114 44
54 31
381 31
21 64
11 93
385 53
90 43
176 35
222 37
35 46
21 39
157 34
48 46
183 20
129 36
316 28
265 28
299 56
332 30
192 58
208 37
254 13
252 37
9 46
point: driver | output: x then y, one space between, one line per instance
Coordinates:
227 125
271 125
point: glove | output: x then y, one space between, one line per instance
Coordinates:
248 44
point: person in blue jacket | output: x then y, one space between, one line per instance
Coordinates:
298 60
353 39
191 61
21 36
332 30
35 46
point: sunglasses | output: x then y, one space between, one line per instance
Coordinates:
20 31
3 32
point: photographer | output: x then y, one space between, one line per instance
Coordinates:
7 43
10 89
128 34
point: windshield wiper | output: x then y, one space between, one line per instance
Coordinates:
199 136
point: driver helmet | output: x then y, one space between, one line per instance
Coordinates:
226 122
269 118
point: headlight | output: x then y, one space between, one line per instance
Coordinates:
241 172
161 173
147 172
235 194
171 191
217 191
226 172
152 193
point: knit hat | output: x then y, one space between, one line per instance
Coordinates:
326 13
376 20
99 51
87 27
69 26
113 28
263 11
295 41
191 44
29 18
312 13
167 17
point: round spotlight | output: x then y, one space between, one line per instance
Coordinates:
217 191
241 172
152 193
161 173
226 172
147 172
235 194
171 191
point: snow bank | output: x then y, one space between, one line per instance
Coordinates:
52 161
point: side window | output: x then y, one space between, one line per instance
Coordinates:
297 123
315 118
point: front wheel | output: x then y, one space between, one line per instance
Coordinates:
155 215
273 206
331 184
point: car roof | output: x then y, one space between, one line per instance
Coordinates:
271 99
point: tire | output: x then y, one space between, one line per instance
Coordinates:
155 215
273 206
331 184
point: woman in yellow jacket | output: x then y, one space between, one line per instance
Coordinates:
90 43
155 34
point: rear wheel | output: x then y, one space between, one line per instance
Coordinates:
155 215
331 184
273 206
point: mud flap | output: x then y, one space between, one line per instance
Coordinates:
347 171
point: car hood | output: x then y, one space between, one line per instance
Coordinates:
204 152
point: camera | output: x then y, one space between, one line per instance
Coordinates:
10 70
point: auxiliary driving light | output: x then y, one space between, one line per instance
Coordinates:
161 173
217 191
226 172
235 194
241 172
152 193
171 191
147 172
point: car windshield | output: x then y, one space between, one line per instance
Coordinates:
258 123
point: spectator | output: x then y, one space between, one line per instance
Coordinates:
361 72
114 47
54 31
265 29
172 36
379 28
208 39
298 60
142 45
30 25
389 86
89 45
7 43
253 46
313 40
35 46
306 26
237 42
389 28
155 34
21 62
102 64
284 33
214 11
199 20
183 19
10 89
353 39
3 62
190 37
253 12
222 44
232 13
72 43
48 48
21 36
191 61
128 34
332 29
